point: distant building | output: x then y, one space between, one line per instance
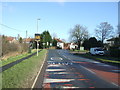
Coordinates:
73 46
11 39
113 41
28 40
60 43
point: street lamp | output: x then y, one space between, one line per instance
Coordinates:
37 24
37 32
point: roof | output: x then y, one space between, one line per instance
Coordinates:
113 39
58 40
10 38
28 39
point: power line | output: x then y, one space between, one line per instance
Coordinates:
9 27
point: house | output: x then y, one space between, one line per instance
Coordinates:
28 40
11 39
60 43
73 46
70 46
113 41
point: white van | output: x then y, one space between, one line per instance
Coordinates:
96 51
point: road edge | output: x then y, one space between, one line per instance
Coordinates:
39 72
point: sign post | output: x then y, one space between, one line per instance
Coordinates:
37 39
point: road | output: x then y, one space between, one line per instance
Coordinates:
65 70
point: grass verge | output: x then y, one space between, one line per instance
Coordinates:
79 50
23 74
15 58
100 58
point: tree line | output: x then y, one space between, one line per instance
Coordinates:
80 35
20 45
46 41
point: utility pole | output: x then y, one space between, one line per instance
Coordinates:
26 36
37 32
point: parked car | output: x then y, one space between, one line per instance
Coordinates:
97 51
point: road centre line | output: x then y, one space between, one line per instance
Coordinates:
66 57
115 84
88 70
38 72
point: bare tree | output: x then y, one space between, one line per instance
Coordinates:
104 31
78 34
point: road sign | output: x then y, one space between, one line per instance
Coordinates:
37 37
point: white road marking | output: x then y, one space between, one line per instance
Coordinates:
52 65
56 58
38 73
61 73
115 84
116 70
50 70
57 80
88 70
64 56
69 58
67 87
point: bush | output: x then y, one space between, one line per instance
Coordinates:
114 51
8 47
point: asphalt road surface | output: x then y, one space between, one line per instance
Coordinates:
65 70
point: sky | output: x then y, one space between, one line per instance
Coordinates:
56 17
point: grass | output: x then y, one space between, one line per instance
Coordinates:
22 75
14 58
101 58
79 50
105 60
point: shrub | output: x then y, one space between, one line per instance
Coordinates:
114 51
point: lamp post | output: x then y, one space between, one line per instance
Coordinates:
37 32
37 24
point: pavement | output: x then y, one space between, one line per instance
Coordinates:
67 71
7 66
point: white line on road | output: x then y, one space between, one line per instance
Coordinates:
56 58
38 73
69 58
115 84
57 80
51 70
88 70
69 87
64 56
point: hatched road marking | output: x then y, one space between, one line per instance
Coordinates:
57 80
51 70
